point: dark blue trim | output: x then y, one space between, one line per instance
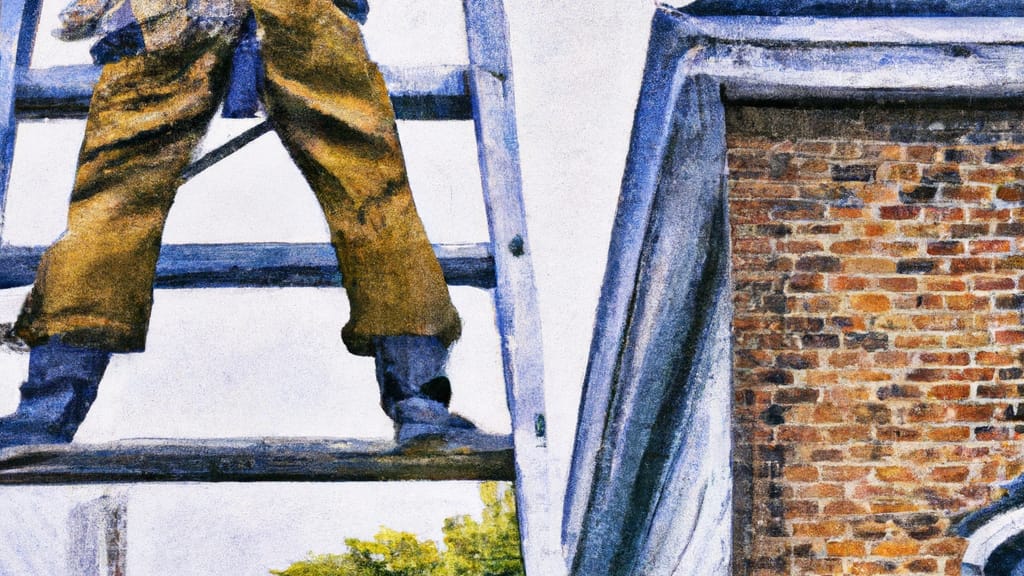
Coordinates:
856 8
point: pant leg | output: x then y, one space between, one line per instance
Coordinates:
331 109
94 286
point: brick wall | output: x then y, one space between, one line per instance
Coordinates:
878 258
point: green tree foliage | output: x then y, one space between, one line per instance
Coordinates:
486 548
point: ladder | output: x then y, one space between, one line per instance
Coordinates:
481 91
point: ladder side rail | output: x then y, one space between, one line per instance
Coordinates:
518 315
19 20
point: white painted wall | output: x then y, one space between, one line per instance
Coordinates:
261 362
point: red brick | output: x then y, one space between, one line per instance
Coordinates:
989 246
993 283
848 283
898 284
1010 337
950 391
899 212
993 359
973 412
1011 193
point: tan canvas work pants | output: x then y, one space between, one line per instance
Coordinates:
328 103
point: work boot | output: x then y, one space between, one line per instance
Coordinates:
61 387
414 390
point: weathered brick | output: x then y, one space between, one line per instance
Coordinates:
797 361
968 230
945 248
897 434
945 358
1010 229
870 341
944 173
818 264
807 283
915 266
918 193
853 172
1004 156
796 395
820 340
898 391
899 212
967 193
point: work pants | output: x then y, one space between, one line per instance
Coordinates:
329 105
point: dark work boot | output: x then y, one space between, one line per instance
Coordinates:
414 390
61 387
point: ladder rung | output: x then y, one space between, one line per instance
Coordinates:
258 265
418 93
256 460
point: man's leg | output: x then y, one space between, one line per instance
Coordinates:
331 108
94 287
